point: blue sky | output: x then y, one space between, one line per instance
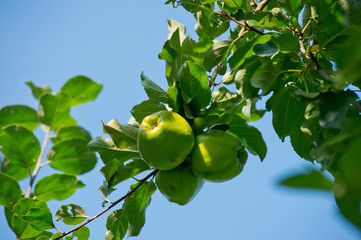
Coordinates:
112 42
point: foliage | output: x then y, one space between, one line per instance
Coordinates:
26 211
300 56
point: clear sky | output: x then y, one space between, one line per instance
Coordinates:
112 42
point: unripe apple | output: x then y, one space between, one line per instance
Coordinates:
217 156
178 185
165 139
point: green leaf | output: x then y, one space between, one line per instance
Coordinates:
117 225
287 112
153 91
71 132
176 34
293 7
209 25
72 156
266 49
288 43
194 82
16 171
108 151
146 108
192 6
22 228
81 89
265 77
137 203
82 233
302 144
19 115
250 136
333 107
223 94
57 186
311 179
123 135
20 146
38 91
245 50
76 215
243 78
10 192
54 111
215 54
39 218
115 172
196 50
348 182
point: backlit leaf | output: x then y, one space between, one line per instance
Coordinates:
20 146
117 225
81 89
72 156
75 216
146 108
19 115
57 186
10 192
311 179
153 91
108 151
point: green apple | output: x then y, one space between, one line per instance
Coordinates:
165 139
217 156
178 185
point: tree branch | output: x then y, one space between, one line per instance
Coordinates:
141 182
262 4
244 24
313 60
38 163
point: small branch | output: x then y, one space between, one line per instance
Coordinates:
313 60
262 4
244 24
141 182
38 163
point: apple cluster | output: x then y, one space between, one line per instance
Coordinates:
167 142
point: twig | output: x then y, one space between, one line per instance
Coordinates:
38 163
262 4
244 24
313 61
141 182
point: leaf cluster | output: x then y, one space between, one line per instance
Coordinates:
26 211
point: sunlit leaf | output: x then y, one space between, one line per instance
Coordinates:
81 89
22 228
39 218
72 156
10 192
146 108
57 186
117 225
123 135
38 91
153 91
20 146
71 132
108 151
137 203
19 115
75 216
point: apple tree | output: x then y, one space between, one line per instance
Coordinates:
301 56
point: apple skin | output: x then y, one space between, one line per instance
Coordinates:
178 185
218 156
165 139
